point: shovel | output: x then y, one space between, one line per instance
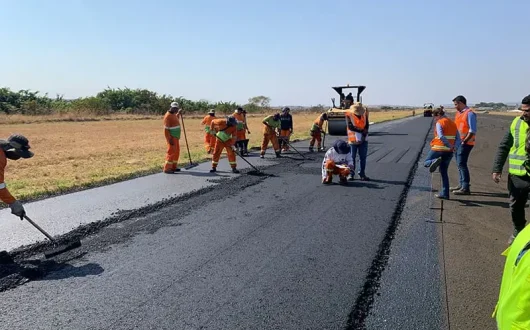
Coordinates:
58 249
191 165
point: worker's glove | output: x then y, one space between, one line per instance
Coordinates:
17 209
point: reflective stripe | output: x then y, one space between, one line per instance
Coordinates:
168 162
2 185
517 157
517 167
174 127
516 134
232 163
440 148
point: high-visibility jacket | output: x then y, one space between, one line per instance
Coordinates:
274 123
225 133
241 123
449 130
317 124
517 154
5 195
206 121
513 306
355 137
463 125
171 125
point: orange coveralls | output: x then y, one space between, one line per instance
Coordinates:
241 133
172 126
225 138
5 195
209 139
316 134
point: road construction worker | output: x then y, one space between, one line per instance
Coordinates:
209 139
357 127
172 134
271 126
241 139
316 132
516 148
337 160
286 128
446 140
512 310
225 134
466 122
16 147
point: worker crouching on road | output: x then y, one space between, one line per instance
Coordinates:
172 134
316 132
225 135
515 147
446 139
209 139
357 127
337 160
286 127
271 124
241 138
16 147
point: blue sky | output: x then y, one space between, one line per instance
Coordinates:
406 52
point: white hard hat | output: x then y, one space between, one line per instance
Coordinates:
174 105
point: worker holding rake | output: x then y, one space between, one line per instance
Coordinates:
209 139
225 131
316 132
286 128
271 124
172 134
242 128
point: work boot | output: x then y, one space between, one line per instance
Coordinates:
245 146
213 170
262 155
327 180
441 197
452 189
320 149
278 154
176 170
311 149
365 178
462 192
343 180
434 165
351 177
235 170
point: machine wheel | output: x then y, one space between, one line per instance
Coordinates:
337 127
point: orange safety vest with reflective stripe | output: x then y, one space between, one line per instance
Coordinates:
449 129
463 125
354 137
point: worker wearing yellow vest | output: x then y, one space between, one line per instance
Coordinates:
446 139
515 147
466 122
209 139
225 135
316 132
357 128
241 126
172 135
271 127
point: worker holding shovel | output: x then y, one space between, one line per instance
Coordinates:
225 131
172 134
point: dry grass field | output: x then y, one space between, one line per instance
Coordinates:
79 153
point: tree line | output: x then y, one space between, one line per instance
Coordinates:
114 101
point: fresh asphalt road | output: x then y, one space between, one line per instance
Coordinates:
282 252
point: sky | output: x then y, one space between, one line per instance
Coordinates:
406 52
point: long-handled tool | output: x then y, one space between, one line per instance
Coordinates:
290 145
191 165
256 170
58 249
324 138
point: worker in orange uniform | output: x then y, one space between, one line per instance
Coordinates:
242 128
16 147
209 139
271 126
172 133
316 132
357 128
337 160
225 131
286 128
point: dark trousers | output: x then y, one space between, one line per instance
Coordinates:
462 155
518 188
362 149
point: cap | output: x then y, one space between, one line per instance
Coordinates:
174 105
21 145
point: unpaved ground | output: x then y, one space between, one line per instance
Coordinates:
475 231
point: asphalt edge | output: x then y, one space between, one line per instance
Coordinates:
365 300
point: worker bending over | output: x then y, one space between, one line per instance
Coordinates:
209 139
241 139
316 132
172 134
271 124
225 135
337 160
286 127
446 140
357 127
16 147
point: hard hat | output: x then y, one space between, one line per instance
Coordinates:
174 105
212 111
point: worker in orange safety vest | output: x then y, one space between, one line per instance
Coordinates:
225 134
209 139
357 127
316 132
242 128
172 133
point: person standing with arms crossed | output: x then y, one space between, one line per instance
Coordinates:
466 122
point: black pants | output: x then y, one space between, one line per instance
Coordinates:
518 187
